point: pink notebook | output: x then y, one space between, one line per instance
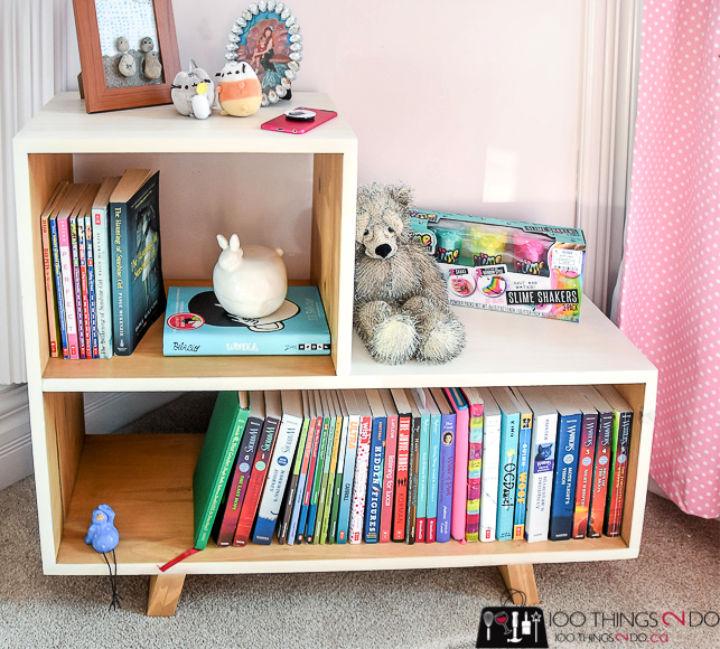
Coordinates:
459 501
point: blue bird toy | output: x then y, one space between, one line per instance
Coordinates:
102 533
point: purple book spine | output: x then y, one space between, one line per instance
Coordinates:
447 475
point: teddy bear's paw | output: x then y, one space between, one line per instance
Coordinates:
395 341
442 343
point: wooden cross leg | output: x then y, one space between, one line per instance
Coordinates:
521 578
163 594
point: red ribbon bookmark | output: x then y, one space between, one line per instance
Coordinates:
180 557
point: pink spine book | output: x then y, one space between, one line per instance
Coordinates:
475 451
68 284
459 496
386 512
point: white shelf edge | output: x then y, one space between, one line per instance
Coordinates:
368 564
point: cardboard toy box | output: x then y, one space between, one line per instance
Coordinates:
512 266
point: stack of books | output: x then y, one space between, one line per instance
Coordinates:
101 258
413 466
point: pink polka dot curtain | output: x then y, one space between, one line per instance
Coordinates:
670 296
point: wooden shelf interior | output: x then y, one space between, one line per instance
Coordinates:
46 170
147 478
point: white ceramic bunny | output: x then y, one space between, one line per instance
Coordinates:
249 282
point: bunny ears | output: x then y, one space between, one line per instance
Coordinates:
234 244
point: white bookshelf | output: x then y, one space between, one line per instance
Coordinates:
147 478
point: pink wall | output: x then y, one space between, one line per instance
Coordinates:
473 102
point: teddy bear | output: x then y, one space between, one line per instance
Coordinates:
401 306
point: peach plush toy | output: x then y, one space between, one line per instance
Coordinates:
239 91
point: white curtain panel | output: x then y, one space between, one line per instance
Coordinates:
33 54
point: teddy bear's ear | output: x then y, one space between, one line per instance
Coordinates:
401 194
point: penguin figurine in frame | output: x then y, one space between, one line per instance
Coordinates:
193 92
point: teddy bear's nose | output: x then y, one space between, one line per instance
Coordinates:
383 250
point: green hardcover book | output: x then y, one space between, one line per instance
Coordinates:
138 295
216 460
313 519
330 491
340 471
323 498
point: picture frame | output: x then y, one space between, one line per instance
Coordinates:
104 85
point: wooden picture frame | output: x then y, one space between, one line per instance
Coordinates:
98 96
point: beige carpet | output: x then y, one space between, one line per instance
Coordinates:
679 569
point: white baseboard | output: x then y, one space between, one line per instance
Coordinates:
15 447
104 413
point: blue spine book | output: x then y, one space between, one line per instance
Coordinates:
521 484
375 476
447 466
562 508
57 276
509 434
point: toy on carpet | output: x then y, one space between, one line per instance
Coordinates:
193 92
401 304
239 91
249 282
104 538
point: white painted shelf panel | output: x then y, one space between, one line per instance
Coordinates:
63 126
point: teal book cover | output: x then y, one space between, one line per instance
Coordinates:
508 473
196 325
138 295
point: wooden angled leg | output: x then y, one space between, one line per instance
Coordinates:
521 578
163 594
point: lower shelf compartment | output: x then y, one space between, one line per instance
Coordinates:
147 479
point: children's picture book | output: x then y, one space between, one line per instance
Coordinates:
235 494
542 463
331 465
586 461
280 465
138 295
413 472
620 453
388 493
475 452
361 408
268 437
421 406
196 325
456 399
402 469
57 277
562 509
344 424
318 461
447 465
601 469
314 435
521 484
375 473
435 442
103 270
490 464
215 462
351 412
509 435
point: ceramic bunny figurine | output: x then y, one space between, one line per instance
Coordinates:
249 282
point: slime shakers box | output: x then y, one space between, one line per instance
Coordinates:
196 325
501 265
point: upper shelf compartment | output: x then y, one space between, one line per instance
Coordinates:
63 126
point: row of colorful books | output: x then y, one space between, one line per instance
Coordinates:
101 257
418 466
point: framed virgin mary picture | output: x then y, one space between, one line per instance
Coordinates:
128 52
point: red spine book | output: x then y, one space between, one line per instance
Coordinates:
386 511
401 476
259 472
